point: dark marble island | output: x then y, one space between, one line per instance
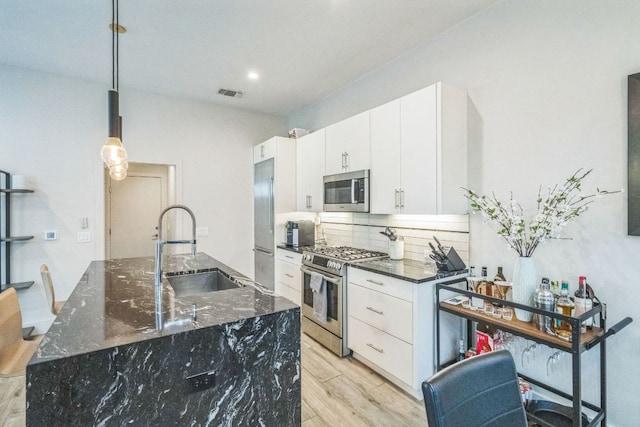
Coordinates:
224 358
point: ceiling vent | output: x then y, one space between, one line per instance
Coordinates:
231 93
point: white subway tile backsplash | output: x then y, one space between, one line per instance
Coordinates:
363 231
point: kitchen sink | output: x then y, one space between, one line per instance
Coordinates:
200 283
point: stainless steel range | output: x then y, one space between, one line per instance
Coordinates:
331 263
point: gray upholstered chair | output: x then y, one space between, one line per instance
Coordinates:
479 391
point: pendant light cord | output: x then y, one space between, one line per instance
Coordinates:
115 45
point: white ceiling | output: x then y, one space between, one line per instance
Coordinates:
303 49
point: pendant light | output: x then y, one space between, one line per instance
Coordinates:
113 152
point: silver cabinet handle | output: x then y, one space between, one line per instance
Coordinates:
397 199
262 151
402 199
288 275
287 256
374 310
346 161
375 282
310 201
379 350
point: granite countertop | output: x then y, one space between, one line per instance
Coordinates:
404 269
114 304
296 249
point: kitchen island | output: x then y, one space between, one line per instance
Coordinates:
230 357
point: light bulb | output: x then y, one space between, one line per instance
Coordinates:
113 152
118 175
119 166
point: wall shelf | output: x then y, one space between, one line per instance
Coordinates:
5 233
596 337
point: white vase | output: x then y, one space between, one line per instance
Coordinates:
524 286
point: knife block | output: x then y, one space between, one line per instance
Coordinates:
453 262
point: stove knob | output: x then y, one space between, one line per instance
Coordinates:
330 264
338 266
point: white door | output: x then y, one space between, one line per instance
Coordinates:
132 210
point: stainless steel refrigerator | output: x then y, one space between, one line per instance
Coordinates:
264 211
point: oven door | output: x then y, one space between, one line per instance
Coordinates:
334 300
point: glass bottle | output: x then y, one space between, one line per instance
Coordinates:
543 299
499 276
564 306
583 304
461 351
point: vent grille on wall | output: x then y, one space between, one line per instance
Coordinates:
231 93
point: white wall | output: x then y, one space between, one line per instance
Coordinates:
51 132
546 82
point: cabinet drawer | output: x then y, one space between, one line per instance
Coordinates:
385 284
389 314
289 274
288 256
389 353
291 294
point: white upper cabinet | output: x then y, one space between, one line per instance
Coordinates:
385 159
347 145
418 153
310 164
264 151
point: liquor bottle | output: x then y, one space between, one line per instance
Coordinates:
583 304
555 288
564 306
485 286
461 351
499 276
543 299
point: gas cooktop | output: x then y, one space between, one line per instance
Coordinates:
346 253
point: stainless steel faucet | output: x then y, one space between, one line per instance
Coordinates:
159 246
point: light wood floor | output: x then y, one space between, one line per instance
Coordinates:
344 392
335 392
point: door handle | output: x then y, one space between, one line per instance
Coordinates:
402 199
288 275
375 282
264 251
397 199
346 161
353 191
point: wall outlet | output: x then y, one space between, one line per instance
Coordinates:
202 231
51 235
200 382
84 237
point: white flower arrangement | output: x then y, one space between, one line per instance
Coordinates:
561 204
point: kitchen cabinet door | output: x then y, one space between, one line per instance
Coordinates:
419 130
347 145
310 164
385 158
264 151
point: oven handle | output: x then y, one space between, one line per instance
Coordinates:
329 278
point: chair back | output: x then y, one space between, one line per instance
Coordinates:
479 391
48 288
10 327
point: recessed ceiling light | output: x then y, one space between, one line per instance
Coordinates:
253 75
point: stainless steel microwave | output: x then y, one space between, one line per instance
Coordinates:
347 192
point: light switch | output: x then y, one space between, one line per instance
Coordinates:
51 235
202 231
84 222
84 236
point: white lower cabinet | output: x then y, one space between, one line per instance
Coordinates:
288 276
391 327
